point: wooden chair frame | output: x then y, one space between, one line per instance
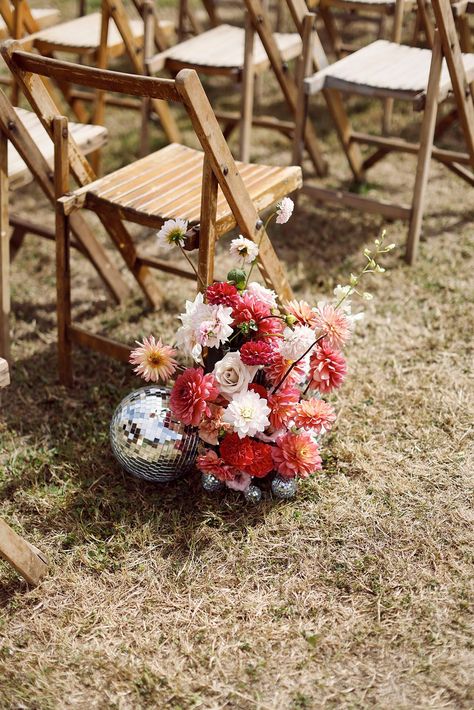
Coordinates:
13 130
219 170
446 44
28 561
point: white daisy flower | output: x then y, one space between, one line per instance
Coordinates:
172 232
243 248
247 413
203 325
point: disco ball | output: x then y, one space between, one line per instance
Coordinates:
147 441
284 488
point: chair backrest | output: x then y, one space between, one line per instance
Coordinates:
30 69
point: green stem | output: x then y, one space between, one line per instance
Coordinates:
192 266
259 244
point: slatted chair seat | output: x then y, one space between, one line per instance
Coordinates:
386 70
89 137
222 48
167 185
83 35
44 16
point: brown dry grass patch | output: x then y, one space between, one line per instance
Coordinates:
357 594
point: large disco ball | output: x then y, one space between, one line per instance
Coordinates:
147 441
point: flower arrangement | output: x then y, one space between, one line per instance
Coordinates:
261 370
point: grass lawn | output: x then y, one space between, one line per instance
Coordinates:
356 594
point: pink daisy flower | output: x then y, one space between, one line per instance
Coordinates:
154 361
191 394
296 455
327 368
335 323
282 405
315 414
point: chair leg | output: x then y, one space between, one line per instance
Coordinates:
207 228
424 156
24 557
4 252
247 89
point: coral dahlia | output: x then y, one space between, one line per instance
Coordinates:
212 464
327 368
296 455
315 414
282 405
191 394
256 352
302 311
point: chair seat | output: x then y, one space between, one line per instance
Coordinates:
44 16
221 50
385 69
87 136
82 35
167 184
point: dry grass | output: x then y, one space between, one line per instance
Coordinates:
357 594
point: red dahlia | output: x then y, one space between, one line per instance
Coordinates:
237 452
256 352
222 294
262 459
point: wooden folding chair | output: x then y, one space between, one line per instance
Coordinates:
175 182
421 76
16 21
238 54
27 154
20 554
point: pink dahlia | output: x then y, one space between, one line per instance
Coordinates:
280 366
296 455
315 414
334 323
302 311
210 463
327 368
256 352
154 361
282 405
191 394
222 294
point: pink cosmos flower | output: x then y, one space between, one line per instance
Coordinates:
154 360
282 405
296 455
213 465
191 394
212 426
335 323
315 414
257 352
327 368
302 311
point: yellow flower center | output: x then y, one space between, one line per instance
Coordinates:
246 412
155 359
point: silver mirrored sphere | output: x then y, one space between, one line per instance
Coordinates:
284 488
210 483
253 494
146 439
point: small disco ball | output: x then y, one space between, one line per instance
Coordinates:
253 494
147 441
211 484
284 488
